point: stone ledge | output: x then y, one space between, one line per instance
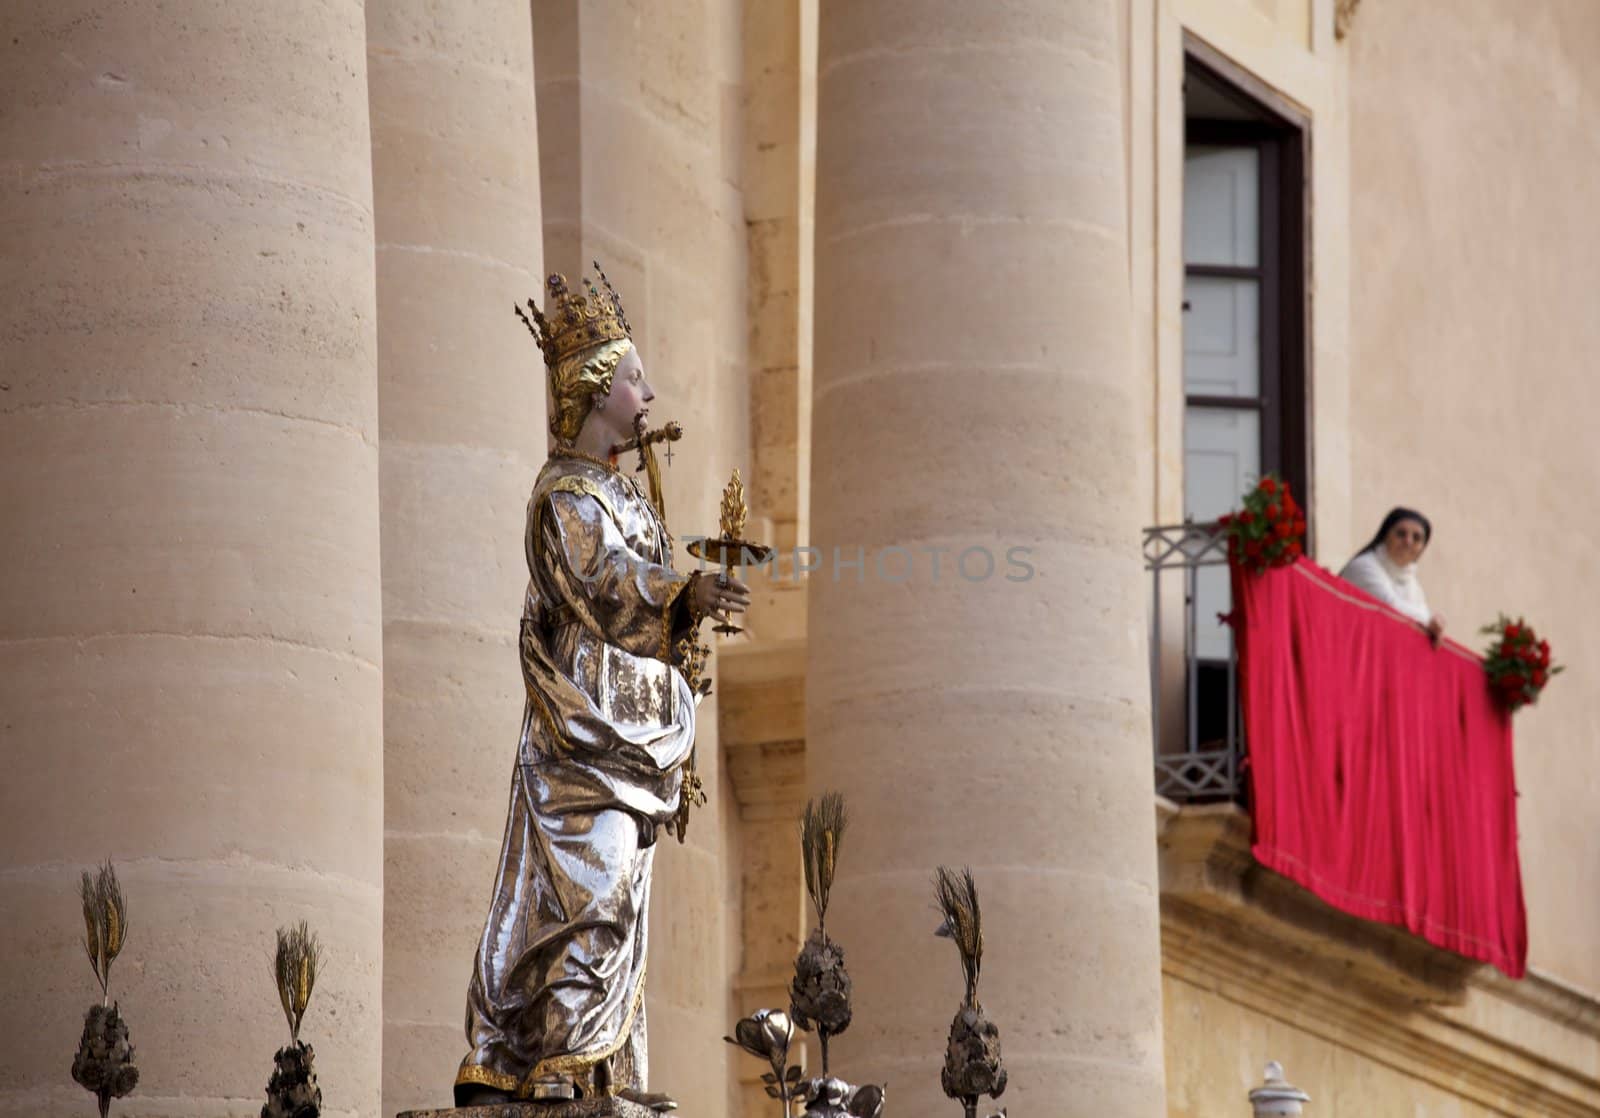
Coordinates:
572 1108
1548 997
763 693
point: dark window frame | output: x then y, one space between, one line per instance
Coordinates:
1281 133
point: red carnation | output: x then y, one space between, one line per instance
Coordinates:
1299 527
1247 517
1252 548
1539 676
1295 549
1284 529
1513 631
1269 486
1272 512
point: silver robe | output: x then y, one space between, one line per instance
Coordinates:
558 984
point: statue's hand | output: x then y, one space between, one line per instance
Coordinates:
719 595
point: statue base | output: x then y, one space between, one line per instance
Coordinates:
550 1108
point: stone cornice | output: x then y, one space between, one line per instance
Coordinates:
761 725
1556 1001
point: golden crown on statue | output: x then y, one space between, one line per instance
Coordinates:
578 320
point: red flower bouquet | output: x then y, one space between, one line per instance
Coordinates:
1269 531
1518 662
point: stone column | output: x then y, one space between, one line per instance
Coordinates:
763 736
190 639
973 393
462 414
639 167
779 39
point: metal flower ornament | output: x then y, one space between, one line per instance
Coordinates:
972 1066
829 1097
104 1061
766 1034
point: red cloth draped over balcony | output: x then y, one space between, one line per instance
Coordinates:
1380 768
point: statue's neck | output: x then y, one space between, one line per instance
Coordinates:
594 440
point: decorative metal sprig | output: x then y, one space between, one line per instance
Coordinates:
821 833
292 1092
104 1063
819 997
105 919
732 512
294 970
972 1066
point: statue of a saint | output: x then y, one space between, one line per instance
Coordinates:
555 1008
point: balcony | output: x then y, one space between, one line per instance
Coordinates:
1368 827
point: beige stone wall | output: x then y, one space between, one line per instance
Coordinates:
640 161
1509 1049
1217 1049
1476 259
462 427
190 639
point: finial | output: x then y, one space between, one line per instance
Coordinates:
734 510
1276 1097
616 300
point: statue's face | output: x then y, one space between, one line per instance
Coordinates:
629 398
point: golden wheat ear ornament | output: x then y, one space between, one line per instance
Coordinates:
819 996
972 1066
292 1092
104 1063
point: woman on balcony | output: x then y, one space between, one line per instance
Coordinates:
1387 568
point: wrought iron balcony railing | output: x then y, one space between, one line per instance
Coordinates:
1196 726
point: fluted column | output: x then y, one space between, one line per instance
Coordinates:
461 406
972 394
190 635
